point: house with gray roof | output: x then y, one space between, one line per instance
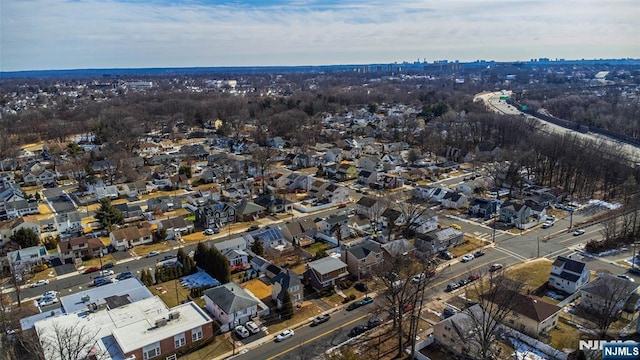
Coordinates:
362 259
435 241
568 275
325 272
287 281
232 305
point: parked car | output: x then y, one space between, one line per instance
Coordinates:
47 301
456 226
473 277
496 267
407 307
446 255
92 269
578 232
284 335
252 327
635 270
547 224
253 228
354 305
466 258
452 286
153 253
362 287
448 312
478 253
358 330
374 322
39 283
367 300
106 272
241 331
320 319
50 293
108 265
418 277
208 232
463 282
124 275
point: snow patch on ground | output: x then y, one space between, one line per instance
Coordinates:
526 352
554 295
605 204
199 279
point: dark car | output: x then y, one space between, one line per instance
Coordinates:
478 253
354 305
473 277
108 265
253 228
448 312
320 319
446 255
358 330
92 269
362 287
463 282
124 275
374 322
452 286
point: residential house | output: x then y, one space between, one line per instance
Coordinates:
69 223
176 227
423 191
238 259
249 211
79 248
458 333
400 247
325 272
334 226
366 177
368 163
232 305
300 231
609 295
38 174
276 142
391 218
454 200
363 259
333 155
346 172
438 194
296 181
18 208
237 243
259 264
431 243
515 214
538 211
317 188
568 275
483 208
424 222
287 281
129 210
128 237
22 260
369 207
336 194
274 204
350 153
9 227
529 314
215 214
469 187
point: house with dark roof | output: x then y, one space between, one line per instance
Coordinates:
127 237
369 207
79 247
400 247
249 211
215 214
346 172
274 204
176 226
367 177
287 281
362 259
334 226
530 314
610 294
300 231
164 203
391 216
431 243
483 208
515 214
458 333
568 275
325 272
454 200
231 305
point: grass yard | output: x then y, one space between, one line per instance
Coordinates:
220 346
258 288
306 312
565 336
143 250
469 246
167 292
317 246
96 261
533 274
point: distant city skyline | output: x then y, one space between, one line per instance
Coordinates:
84 34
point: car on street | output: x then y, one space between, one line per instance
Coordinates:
478 253
47 301
252 327
92 269
108 265
626 277
253 228
418 277
106 272
547 224
446 255
362 287
284 335
39 283
354 305
495 267
358 330
635 270
374 322
466 258
153 253
367 300
456 226
407 307
578 232
473 277
50 293
124 275
320 319
208 232
242 331
463 282
100 281
452 286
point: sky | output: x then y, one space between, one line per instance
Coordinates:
81 34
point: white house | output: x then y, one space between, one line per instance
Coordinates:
568 275
232 305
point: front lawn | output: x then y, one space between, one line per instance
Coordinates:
307 311
169 294
469 246
564 335
533 274
143 250
317 246
220 346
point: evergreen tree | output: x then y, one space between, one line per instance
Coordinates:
287 306
218 266
257 247
200 255
26 237
108 215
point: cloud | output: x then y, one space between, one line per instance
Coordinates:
54 34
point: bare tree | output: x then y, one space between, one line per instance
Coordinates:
609 228
65 341
263 157
16 274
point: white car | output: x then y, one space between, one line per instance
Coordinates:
50 293
39 283
106 272
578 232
284 335
208 232
466 258
47 301
241 331
251 326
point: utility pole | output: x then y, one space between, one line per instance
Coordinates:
538 246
